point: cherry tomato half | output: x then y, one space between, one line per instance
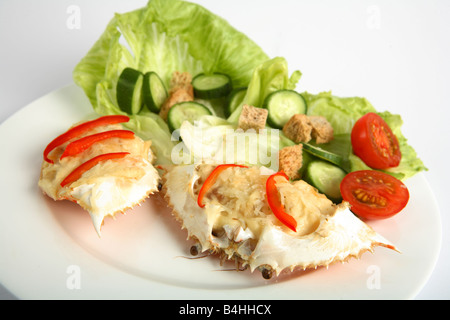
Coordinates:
374 194
374 142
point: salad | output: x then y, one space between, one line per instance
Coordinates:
129 71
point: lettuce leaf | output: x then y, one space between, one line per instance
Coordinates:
268 77
342 113
165 36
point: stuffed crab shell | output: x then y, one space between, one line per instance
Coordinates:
234 218
100 166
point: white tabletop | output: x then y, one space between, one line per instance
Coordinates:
393 53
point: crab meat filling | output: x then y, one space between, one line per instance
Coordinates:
238 207
109 187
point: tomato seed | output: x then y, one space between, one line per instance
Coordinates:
367 198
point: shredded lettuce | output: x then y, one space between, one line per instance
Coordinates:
213 139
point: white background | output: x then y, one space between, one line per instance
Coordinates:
393 53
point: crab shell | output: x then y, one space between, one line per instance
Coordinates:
110 187
338 236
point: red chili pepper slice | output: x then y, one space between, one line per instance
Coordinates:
78 172
80 129
275 203
85 143
212 178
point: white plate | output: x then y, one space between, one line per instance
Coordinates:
49 250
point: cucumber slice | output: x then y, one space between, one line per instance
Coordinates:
282 105
185 111
154 92
326 177
211 86
129 90
323 154
235 99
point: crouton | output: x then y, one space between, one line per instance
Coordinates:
291 161
180 90
298 128
181 81
252 118
322 130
